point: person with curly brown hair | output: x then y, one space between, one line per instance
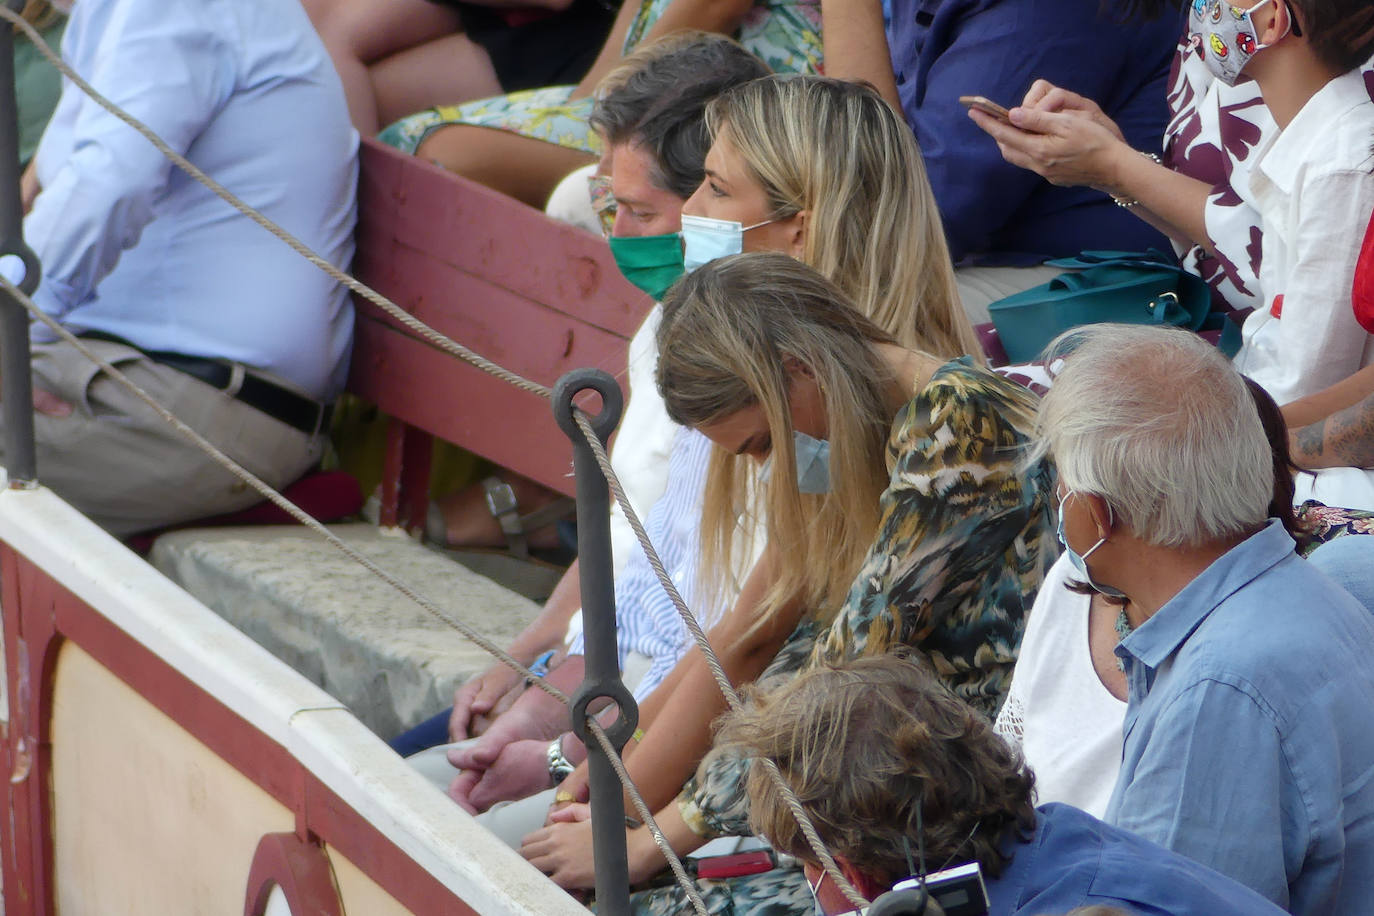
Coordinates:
883 757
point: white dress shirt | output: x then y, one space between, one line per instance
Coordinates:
132 246
1314 189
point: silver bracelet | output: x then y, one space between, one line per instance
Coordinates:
1129 202
560 767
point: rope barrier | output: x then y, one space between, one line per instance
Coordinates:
263 488
454 348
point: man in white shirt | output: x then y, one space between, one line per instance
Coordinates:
236 334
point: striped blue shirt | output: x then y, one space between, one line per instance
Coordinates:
646 621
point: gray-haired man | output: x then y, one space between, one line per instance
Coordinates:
1247 744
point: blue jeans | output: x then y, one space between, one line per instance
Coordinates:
427 734
1349 561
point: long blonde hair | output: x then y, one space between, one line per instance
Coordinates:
835 149
733 334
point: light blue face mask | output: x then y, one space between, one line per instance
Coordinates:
704 239
813 464
1080 561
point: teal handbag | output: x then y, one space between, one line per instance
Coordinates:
1107 286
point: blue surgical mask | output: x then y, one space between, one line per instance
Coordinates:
1080 561
705 239
813 464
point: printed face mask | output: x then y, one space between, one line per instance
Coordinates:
651 262
706 239
603 202
1225 36
813 464
1080 561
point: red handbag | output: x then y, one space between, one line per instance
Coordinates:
1362 294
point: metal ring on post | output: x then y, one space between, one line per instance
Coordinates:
597 685
602 678
574 383
33 268
589 691
16 401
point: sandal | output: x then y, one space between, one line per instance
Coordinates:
515 527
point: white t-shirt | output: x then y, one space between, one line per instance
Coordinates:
1066 722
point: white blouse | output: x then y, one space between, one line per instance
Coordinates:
1068 725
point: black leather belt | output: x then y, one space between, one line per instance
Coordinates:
279 403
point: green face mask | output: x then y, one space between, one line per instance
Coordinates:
651 262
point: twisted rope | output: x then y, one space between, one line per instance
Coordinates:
448 345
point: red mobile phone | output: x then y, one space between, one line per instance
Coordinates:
987 106
737 865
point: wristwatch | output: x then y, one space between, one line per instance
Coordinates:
560 767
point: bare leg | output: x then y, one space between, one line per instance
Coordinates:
358 33
470 523
521 167
444 71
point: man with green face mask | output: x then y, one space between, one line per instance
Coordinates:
652 121
650 115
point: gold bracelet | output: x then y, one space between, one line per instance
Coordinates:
638 735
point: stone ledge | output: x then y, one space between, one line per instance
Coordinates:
376 651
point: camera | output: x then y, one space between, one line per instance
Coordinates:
959 890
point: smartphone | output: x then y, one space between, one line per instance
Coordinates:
987 106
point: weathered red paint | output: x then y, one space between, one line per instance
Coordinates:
39 615
300 868
529 293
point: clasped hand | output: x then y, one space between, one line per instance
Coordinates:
1059 135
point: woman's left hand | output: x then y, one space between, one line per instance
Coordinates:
563 850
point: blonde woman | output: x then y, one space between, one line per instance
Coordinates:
813 158
822 169
924 470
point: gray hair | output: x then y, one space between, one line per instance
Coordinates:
1160 425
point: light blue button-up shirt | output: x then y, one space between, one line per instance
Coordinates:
132 246
1249 734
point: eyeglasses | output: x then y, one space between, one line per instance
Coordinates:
603 201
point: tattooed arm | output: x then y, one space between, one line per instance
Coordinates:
1344 439
1334 427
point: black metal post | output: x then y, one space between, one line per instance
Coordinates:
15 380
602 679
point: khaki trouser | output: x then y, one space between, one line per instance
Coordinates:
126 468
981 286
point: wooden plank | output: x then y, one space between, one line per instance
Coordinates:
531 294
426 388
458 222
532 339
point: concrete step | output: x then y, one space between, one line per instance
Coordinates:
380 654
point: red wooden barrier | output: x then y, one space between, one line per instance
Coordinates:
534 295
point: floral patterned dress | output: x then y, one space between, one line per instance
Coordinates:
784 34
965 538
